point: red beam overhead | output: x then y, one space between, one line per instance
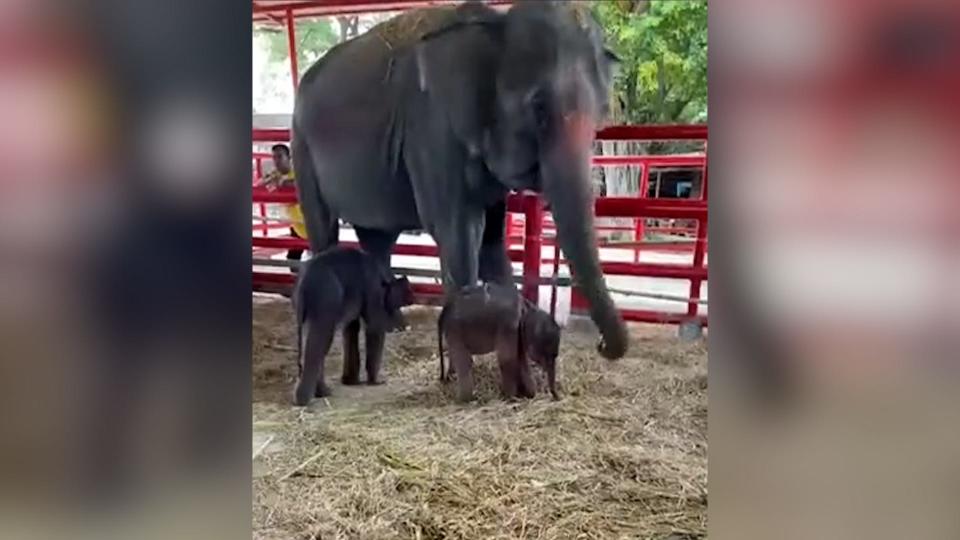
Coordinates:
322 8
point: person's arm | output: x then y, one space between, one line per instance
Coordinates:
285 181
270 181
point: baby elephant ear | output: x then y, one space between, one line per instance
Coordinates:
398 293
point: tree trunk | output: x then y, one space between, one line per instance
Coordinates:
348 27
619 181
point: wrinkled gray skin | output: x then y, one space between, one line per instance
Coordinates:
337 289
492 317
433 135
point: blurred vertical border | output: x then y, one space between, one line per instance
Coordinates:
124 269
834 251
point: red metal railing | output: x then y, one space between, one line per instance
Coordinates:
537 226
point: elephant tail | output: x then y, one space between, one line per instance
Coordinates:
299 310
441 323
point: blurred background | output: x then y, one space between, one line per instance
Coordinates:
125 289
833 408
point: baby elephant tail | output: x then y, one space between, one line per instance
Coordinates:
440 325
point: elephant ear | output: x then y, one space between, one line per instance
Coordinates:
457 68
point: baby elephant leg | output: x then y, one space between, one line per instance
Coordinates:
374 342
461 362
351 353
318 335
507 359
525 386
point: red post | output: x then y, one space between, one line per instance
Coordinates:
699 250
292 48
263 207
703 181
532 242
639 231
556 274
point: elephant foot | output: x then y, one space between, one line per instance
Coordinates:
301 397
376 381
350 380
322 390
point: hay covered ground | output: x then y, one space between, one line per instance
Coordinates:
622 455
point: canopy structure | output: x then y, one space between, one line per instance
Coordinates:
277 11
284 12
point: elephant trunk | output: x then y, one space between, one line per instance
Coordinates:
565 181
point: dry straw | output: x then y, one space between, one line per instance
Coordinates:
622 455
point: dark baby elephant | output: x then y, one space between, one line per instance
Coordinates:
491 317
428 120
339 288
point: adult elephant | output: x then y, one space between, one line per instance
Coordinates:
429 120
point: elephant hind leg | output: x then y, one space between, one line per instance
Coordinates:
379 244
317 341
494 263
323 229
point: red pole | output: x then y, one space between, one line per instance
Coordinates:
644 188
263 207
703 181
532 242
699 250
292 48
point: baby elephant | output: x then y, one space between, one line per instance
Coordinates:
338 288
491 317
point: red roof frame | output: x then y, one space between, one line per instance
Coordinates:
274 11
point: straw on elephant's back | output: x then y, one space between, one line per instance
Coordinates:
412 26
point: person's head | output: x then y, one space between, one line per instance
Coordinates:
281 157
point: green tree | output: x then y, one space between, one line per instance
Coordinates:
663 46
314 38
662 78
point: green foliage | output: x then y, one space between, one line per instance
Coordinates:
663 48
314 38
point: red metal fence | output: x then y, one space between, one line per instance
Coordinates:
528 240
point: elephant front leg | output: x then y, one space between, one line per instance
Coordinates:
459 243
351 353
462 364
319 337
525 385
374 343
507 359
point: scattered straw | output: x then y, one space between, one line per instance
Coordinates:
263 447
621 455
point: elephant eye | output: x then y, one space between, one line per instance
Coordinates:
540 110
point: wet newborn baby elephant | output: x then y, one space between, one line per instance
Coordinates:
492 317
337 289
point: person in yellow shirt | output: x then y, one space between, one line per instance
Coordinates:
282 176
